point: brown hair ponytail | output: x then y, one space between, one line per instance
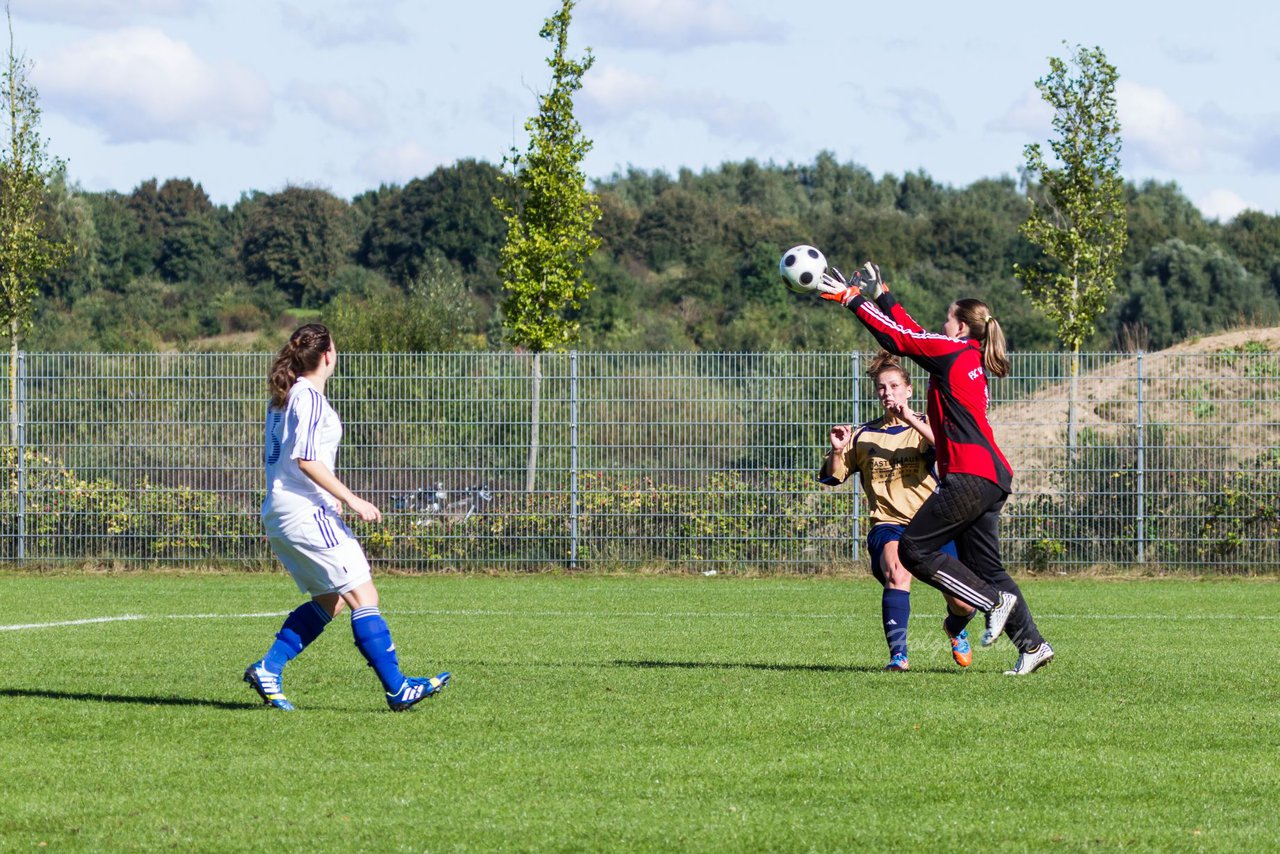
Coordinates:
985 329
307 346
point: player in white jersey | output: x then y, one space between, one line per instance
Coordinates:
302 515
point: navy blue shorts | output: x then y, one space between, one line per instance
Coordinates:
887 533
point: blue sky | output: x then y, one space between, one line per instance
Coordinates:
245 95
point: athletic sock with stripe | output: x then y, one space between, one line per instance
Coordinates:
300 628
373 639
895 611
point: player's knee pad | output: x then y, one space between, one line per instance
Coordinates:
911 554
923 563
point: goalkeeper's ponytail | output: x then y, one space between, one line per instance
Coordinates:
985 329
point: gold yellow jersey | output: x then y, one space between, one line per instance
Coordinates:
896 466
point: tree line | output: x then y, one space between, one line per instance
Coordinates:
685 261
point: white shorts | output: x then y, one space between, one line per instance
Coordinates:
320 552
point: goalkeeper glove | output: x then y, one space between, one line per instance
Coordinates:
872 283
834 287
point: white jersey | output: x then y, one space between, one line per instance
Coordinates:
307 429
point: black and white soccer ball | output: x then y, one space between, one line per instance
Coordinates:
802 268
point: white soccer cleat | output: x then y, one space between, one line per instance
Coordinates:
997 617
1030 660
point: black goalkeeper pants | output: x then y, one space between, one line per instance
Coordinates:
966 509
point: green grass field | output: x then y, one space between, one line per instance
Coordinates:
637 713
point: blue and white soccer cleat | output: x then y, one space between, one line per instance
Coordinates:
267 684
898 663
997 617
960 649
416 689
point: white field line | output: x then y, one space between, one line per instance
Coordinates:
85 622
643 615
757 615
125 618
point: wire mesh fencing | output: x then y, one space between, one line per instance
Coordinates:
691 462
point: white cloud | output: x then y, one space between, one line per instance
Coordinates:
1223 205
924 113
358 25
1156 132
139 85
675 24
755 120
101 14
1159 131
399 163
339 106
610 93
1030 114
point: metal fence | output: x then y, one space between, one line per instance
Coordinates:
644 461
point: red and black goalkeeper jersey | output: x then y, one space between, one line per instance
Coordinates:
958 395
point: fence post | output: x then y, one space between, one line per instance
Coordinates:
1141 466
21 435
857 479
573 459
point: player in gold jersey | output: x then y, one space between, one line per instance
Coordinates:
893 456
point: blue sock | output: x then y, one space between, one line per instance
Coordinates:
956 623
373 639
300 628
895 610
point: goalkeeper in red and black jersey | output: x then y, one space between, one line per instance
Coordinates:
974 477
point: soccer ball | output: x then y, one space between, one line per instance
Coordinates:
802 268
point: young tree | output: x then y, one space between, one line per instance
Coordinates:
549 221
27 253
1077 208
